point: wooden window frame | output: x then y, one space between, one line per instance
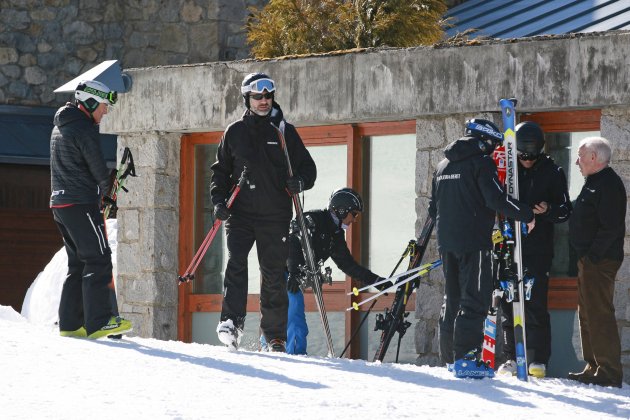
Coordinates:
336 295
563 290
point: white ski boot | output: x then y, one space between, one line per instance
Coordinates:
229 334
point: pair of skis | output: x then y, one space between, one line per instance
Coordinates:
312 271
394 319
508 257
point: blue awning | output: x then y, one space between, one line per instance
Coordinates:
25 136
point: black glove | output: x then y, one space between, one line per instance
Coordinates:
108 201
295 185
221 211
382 286
293 284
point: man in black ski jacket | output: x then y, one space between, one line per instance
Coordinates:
465 195
327 232
543 186
79 180
596 231
262 211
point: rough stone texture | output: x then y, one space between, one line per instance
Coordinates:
147 236
77 35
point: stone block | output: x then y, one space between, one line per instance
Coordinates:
129 226
127 257
173 38
430 132
8 55
34 75
424 173
429 297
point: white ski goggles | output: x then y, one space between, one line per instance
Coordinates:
259 86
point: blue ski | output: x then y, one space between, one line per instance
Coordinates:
511 183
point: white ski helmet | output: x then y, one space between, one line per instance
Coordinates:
90 93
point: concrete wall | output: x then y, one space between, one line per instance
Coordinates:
438 87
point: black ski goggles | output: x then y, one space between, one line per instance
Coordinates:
259 96
528 156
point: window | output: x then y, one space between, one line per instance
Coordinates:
563 132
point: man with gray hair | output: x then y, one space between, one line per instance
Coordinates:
597 231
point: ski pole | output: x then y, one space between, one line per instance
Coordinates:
119 180
189 274
433 265
356 291
356 331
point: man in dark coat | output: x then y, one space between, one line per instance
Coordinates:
79 181
465 195
543 186
262 211
596 231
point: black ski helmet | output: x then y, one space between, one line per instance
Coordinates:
486 131
344 201
530 139
248 85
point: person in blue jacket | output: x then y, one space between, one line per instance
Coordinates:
327 233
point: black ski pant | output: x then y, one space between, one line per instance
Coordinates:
271 244
468 292
86 293
537 320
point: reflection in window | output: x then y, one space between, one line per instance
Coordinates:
209 275
389 192
563 148
389 170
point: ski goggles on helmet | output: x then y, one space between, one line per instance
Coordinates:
110 97
259 86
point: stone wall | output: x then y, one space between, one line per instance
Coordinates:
45 43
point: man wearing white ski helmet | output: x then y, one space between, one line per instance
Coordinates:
262 211
93 98
79 181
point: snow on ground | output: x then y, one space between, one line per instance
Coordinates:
45 376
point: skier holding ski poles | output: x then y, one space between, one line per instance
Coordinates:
465 195
326 228
262 211
542 185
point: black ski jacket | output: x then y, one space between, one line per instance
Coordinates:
598 225
328 240
465 195
253 142
545 181
78 172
